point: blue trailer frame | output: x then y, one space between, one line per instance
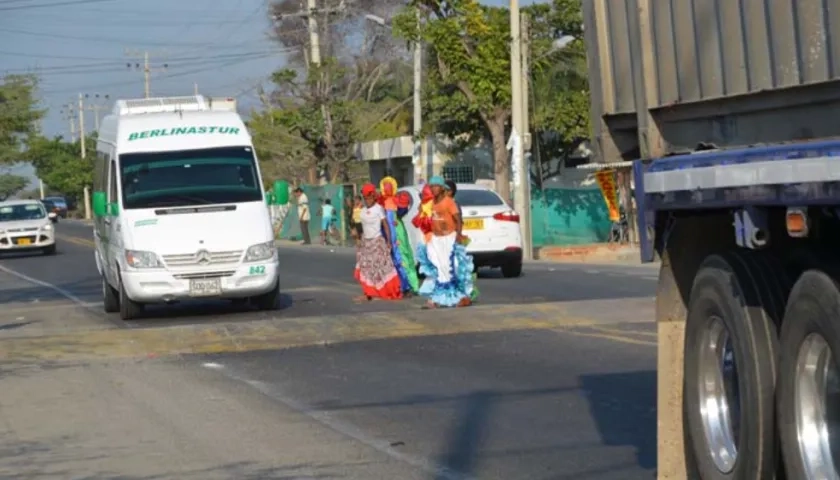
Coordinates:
794 174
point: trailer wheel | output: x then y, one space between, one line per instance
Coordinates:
809 383
730 362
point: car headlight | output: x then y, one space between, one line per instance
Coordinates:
260 252
46 227
141 259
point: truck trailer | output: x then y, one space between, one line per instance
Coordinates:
727 110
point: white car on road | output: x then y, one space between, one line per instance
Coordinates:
490 223
26 226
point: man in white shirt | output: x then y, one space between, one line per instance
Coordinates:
303 214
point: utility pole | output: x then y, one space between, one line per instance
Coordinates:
516 144
69 113
195 88
146 68
314 37
417 154
418 108
525 217
96 108
82 124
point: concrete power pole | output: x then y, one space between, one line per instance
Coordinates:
418 107
525 218
96 108
314 37
69 112
516 144
146 68
82 124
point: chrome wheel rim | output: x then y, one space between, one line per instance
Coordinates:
817 404
720 405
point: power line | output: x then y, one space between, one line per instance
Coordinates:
162 77
105 60
54 4
110 39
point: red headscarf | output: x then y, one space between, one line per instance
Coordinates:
368 189
403 199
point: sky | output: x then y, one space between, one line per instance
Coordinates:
84 46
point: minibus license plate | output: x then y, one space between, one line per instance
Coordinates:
205 287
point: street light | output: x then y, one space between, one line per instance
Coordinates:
418 83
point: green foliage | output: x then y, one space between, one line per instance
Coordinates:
467 80
316 114
60 164
282 153
467 87
11 185
19 115
559 88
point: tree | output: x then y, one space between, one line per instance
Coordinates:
282 154
343 99
559 88
11 185
19 115
467 94
60 164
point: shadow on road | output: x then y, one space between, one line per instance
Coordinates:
623 406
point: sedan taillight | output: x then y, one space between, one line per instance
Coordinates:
510 216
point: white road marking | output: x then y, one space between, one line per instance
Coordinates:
324 418
64 293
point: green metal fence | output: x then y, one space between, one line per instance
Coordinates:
568 216
338 196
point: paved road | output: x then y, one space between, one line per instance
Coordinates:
318 281
550 377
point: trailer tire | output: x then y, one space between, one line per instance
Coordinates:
735 302
809 345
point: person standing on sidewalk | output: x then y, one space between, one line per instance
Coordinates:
303 214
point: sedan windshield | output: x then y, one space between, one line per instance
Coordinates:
16 213
189 178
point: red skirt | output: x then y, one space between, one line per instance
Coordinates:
375 270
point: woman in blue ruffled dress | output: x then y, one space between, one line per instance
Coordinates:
444 259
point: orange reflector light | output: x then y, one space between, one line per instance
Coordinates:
796 222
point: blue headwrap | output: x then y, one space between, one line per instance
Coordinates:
439 181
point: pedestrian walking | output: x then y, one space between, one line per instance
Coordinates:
444 259
303 214
327 220
451 192
375 270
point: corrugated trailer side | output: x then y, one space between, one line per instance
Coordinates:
667 75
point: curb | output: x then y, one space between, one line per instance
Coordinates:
597 253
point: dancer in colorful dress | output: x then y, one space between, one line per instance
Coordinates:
443 259
375 269
387 198
403 201
423 219
465 240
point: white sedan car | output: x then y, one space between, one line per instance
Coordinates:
25 225
491 225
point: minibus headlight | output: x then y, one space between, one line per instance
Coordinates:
141 259
260 252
